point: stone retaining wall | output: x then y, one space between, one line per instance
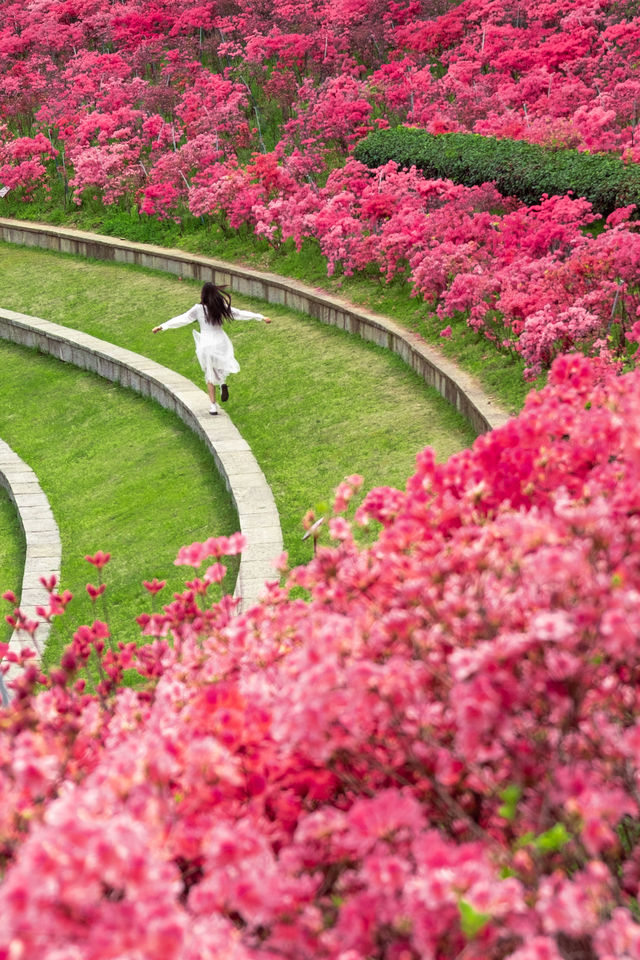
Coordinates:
43 549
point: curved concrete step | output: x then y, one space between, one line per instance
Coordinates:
43 550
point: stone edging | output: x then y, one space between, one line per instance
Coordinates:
43 550
257 514
456 386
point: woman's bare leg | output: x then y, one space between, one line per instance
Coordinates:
211 387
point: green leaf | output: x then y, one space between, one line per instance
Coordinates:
554 839
510 795
471 921
524 840
518 168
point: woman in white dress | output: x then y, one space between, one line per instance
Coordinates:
214 349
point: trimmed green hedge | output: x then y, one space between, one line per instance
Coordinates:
519 169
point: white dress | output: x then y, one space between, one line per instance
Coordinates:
214 349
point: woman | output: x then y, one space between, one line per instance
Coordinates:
214 349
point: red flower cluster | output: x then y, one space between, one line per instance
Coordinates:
437 753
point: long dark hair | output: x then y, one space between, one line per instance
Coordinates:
216 303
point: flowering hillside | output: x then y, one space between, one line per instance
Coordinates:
436 756
244 113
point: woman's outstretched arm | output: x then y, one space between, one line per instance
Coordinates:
238 314
180 321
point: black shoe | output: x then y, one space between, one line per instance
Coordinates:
224 393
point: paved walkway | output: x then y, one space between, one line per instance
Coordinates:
43 550
257 514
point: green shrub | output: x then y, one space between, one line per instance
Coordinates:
520 169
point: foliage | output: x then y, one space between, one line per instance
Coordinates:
516 168
530 279
437 754
241 117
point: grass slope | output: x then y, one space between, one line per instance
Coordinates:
12 554
314 403
500 372
122 475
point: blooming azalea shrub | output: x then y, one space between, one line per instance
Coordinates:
530 279
23 161
246 115
436 754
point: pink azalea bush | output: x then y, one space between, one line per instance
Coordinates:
435 754
23 161
244 115
530 279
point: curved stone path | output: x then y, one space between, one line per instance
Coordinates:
455 385
43 550
257 514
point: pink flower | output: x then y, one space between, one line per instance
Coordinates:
154 586
95 592
339 529
191 555
99 559
215 573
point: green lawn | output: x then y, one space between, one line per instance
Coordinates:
122 475
500 372
12 549
314 403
